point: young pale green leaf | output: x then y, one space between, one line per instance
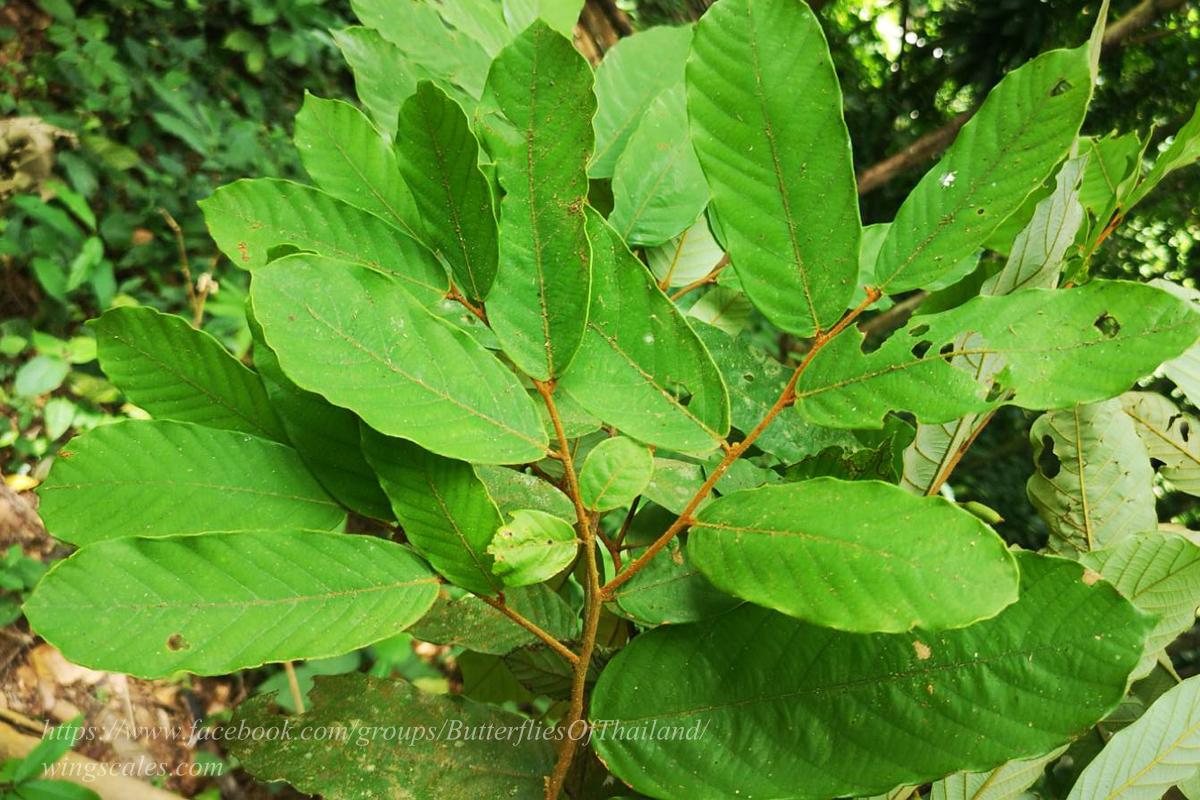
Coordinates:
222 602
482 20
885 561
560 15
359 339
670 591
776 691
469 622
1057 348
674 483
253 221
1145 759
634 72
1094 485
1023 130
658 187
325 436
174 371
538 128
1185 370
445 510
686 258
641 367
1158 572
532 547
1169 437
1006 782
1183 150
140 478
373 762
513 491
347 157
615 472
384 77
723 307
425 40
766 122
438 156
755 381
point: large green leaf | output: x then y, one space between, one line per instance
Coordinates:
1035 261
221 602
360 340
633 73
1094 484
1169 437
814 712
384 77
641 367
537 125
467 621
249 219
1023 130
445 509
885 561
398 743
766 121
325 436
174 371
615 472
439 158
1058 348
140 478
658 188
347 157
482 20
1144 760
1159 573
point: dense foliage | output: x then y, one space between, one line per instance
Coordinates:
505 329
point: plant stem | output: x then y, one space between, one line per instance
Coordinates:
454 294
592 601
294 686
734 452
530 626
709 278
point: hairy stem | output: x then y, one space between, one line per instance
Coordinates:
592 604
735 451
530 626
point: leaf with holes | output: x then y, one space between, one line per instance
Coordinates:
222 602
1169 436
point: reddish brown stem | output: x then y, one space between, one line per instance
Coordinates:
530 626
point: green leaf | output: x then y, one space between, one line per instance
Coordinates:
1025 127
40 375
139 478
347 157
1184 371
885 561
670 590
469 622
384 77
1144 760
688 257
250 219
1158 572
615 472
674 483
374 761
222 602
325 436
56 742
438 156
357 338
532 547
1167 434
777 691
560 15
176 372
1006 782
1094 484
724 308
482 20
634 72
766 120
1183 151
1059 348
641 367
512 490
657 184
444 508
537 125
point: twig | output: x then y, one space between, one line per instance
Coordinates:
530 626
943 476
454 294
709 278
592 602
294 686
786 398
184 265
